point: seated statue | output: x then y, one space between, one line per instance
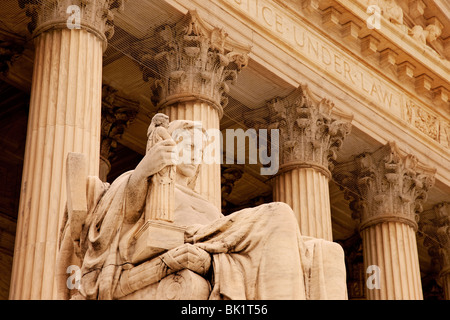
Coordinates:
256 253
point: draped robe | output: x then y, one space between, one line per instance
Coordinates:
257 253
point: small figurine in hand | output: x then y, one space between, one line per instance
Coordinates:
161 192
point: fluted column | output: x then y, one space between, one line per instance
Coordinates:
306 191
194 66
64 116
392 247
436 229
310 135
391 189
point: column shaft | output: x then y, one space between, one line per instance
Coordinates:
306 191
390 188
65 113
208 182
310 135
392 247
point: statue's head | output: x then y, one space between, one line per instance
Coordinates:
190 139
434 32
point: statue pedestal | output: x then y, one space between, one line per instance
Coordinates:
154 238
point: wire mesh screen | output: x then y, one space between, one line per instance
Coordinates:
135 52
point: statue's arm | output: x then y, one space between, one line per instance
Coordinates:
158 157
186 256
140 276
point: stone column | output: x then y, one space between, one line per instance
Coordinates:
118 112
436 230
310 135
10 50
192 69
390 188
64 116
354 266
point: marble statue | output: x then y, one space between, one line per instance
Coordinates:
255 253
429 34
389 9
163 182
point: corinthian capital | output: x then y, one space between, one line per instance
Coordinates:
9 52
194 61
93 15
435 227
310 135
117 113
388 185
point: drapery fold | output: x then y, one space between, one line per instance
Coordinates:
257 253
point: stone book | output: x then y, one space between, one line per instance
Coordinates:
154 238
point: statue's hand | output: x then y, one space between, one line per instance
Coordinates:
187 256
159 156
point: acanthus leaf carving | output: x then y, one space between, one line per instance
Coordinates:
309 132
389 185
96 16
229 176
117 114
435 227
9 53
194 60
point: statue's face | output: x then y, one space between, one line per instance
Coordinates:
187 170
433 32
189 151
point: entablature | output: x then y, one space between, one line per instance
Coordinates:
407 40
293 49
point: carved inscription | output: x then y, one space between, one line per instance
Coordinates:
347 70
314 48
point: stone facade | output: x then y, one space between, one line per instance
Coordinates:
357 90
